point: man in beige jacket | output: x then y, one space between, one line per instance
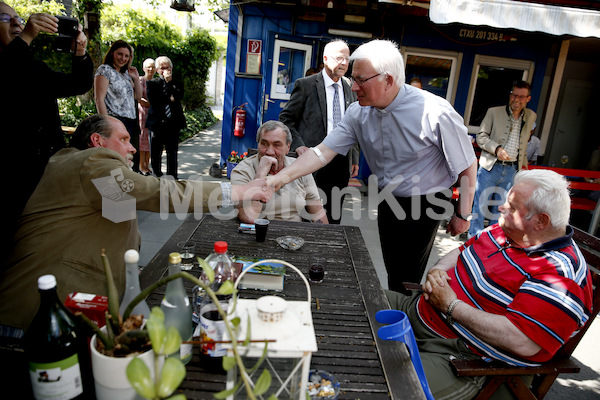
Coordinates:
503 137
63 229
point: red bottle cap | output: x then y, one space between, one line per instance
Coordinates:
220 247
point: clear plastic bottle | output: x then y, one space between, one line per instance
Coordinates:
57 349
132 285
211 323
177 308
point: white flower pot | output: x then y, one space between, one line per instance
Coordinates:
110 374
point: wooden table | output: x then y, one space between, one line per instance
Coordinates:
344 321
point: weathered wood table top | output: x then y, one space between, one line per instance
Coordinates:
343 305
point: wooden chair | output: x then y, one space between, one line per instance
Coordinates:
544 375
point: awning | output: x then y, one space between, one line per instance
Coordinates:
533 17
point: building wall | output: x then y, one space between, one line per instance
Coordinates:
261 22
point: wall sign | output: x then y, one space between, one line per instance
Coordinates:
253 56
485 35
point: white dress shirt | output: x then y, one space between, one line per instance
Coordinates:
330 91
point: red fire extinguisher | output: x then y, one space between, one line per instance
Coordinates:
240 121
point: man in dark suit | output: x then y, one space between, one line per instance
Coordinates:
313 111
165 116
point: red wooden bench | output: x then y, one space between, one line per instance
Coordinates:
577 181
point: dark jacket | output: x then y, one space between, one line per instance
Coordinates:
306 112
159 98
31 127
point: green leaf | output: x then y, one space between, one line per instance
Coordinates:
171 376
223 394
156 330
236 321
208 271
178 397
273 397
248 332
226 288
172 342
157 314
228 362
263 383
138 375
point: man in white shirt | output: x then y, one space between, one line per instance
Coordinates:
311 114
416 145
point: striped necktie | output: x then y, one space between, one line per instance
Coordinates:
337 113
167 106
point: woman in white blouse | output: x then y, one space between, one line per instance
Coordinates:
117 89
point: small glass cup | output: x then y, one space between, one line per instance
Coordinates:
188 252
316 272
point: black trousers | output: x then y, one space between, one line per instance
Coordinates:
334 174
168 137
406 243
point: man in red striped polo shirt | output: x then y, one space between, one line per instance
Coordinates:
516 292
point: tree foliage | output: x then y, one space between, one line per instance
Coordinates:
148 31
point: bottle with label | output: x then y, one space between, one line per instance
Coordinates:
57 349
177 308
212 327
132 285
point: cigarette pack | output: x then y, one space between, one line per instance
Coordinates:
92 306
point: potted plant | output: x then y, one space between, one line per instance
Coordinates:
136 352
233 160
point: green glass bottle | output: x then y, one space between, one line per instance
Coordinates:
56 349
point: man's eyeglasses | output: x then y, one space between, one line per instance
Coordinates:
520 97
4 17
341 59
361 82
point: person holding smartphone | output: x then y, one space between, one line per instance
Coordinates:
31 126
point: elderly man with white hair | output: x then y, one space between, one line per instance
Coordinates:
416 145
165 117
515 292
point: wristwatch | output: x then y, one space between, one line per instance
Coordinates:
450 310
467 217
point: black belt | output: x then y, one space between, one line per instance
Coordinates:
507 162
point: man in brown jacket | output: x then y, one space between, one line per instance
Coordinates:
65 224
503 137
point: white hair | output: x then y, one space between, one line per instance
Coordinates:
162 59
334 44
384 57
147 61
550 195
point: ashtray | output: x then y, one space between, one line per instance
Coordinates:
290 242
322 385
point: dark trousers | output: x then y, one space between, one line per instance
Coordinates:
167 137
133 127
334 174
406 243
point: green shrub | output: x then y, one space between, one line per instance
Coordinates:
73 110
197 120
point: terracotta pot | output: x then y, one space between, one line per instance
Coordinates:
110 374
